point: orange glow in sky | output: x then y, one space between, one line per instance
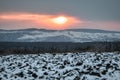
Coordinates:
48 21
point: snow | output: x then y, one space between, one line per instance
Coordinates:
61 66
74 36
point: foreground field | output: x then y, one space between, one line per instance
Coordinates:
66 66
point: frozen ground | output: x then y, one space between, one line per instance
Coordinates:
67 66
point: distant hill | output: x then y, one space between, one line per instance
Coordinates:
93 30
68 35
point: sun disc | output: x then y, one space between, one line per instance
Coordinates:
60 20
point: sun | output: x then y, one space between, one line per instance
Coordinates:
60 20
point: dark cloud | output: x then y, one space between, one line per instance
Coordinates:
86 9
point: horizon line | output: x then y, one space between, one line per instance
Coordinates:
61 29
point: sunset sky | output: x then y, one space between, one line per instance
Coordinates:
60 14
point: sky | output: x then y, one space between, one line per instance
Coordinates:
92 14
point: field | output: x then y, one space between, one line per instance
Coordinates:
59 61
61 66
56 47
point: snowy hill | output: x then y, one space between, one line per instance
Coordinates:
69 35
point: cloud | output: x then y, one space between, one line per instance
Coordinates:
107 25
29 20
38 20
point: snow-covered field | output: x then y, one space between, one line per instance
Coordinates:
66 66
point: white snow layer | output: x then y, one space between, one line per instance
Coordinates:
66 66
74 36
